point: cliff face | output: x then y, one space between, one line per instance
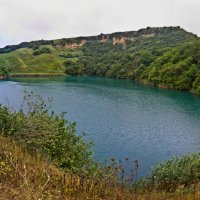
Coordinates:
124 37
121 38
118 38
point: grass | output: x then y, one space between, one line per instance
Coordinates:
29 176
23 61
25 176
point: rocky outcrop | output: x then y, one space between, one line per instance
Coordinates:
117 38
104 39
76 45
148 35
121 40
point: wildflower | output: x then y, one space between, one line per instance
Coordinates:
137 163
112 159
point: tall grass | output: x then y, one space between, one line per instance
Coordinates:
26 176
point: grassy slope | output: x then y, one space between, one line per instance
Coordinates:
26 176
23 61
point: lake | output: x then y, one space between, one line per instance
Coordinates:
123 118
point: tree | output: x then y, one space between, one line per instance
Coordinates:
4 71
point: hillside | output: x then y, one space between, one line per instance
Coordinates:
127 55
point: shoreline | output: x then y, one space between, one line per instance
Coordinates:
35 75
47 75
3 77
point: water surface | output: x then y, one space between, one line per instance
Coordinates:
123 118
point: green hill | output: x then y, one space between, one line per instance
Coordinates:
143 55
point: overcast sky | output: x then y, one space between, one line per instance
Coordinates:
26 20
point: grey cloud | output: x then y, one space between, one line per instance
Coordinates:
25 20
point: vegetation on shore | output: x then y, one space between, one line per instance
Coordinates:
21 75
165 57
43 157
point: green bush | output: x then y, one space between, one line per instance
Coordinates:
4 71
73 68
53 135
179 172
42 50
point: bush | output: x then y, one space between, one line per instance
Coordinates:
179 172
53 135
43 50
4 71
74 68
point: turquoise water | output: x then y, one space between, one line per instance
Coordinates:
123 118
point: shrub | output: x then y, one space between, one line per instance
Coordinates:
53 135
179 172
4 71
43 50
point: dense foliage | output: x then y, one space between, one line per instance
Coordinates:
178 68
179 173
4 71
33 44
41 51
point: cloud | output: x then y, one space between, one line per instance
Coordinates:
25 20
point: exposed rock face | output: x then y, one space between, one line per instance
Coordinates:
121 41
104 39
148 35
76 45
121 38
